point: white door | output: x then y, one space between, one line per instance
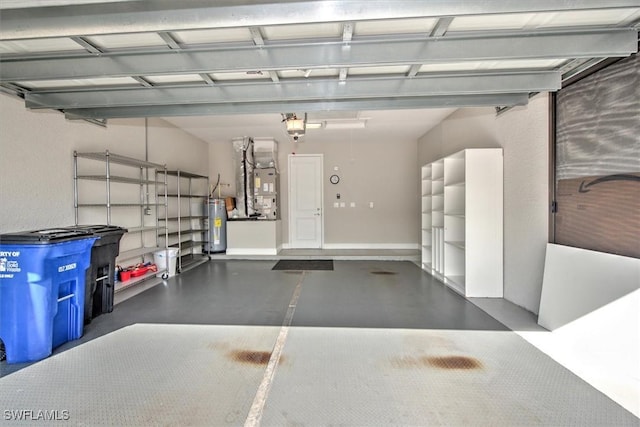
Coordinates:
305 200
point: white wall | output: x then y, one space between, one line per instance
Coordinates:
523 134
381 170
36 160
221 162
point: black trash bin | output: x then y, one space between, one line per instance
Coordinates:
101 275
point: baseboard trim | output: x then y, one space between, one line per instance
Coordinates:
410 246
252 251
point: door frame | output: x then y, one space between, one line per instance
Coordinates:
289 207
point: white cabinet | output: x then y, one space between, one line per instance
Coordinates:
462 221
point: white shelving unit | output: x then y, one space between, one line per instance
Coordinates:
426 218
465 221
125 194
437 217
186 216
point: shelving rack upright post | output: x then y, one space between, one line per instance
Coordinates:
95 202
189 226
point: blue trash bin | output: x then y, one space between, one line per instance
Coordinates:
42 286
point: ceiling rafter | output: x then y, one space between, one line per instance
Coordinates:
256 36
169 15
545 45
510 99
274 76
383 87
170 40
441 26
413 71
343 75
87 45
144 82
207 79
347 32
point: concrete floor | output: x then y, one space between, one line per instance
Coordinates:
370 343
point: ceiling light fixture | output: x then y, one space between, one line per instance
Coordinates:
295 127
345 124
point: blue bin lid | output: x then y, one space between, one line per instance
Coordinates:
43 237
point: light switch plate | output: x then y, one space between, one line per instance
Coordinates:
371 205
352 204
336 204
342 204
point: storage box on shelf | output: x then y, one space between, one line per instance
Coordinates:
186 216
465 220
125 193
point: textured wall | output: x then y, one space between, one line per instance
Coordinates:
381 170
36 161
523 134
221 162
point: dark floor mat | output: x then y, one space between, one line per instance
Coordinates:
304 264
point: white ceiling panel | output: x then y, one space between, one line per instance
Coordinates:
521 21
224 35
180 78
307 31
545 64
395 69
54 84
395 26
39 45
120 41
512 21
316 72
262 75
576 18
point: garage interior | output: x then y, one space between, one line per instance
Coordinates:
382 91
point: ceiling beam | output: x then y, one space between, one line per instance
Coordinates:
170 15
170 40
441 26
142 81
87 45
325 89
457 101
347 32
256 36
582 44
207 78
413 71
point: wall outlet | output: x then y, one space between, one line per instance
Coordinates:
352 204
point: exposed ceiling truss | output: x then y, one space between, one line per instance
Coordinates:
110 59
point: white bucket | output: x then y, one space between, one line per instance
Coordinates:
160 259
